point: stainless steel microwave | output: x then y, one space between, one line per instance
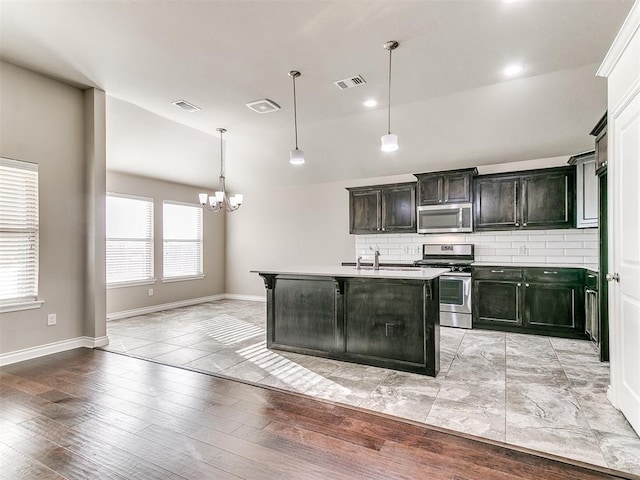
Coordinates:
449 218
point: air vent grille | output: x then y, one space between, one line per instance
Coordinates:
350 82
183 104
263 106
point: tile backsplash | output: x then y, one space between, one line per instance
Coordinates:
567 246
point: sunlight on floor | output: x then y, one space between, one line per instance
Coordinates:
280 367
229 330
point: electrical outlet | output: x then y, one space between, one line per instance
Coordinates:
51 319
522 250
151 292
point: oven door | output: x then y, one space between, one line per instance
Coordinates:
455 293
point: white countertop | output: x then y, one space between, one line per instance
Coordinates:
339 271
529 264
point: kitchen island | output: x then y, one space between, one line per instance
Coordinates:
387 318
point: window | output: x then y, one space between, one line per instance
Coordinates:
182 239
129 240
18 234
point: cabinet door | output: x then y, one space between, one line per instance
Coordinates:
430 189
496 303
385 319
548 199
365 211
306 313
496 203
554 307
457 188
399 208
587 194
601 150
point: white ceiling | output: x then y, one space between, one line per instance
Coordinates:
451 105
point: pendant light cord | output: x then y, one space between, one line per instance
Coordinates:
295 110
389 104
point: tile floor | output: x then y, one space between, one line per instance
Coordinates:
543 393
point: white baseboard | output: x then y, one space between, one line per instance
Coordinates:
250 298
50 348
162 306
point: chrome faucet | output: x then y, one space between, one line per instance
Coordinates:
358 260
376 258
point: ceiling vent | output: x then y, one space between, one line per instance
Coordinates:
350 82
189 107
263 106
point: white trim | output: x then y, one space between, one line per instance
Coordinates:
16 307
250 298
51 348
162 306
10 162
627 98
132 283
184 278
624 36
130 196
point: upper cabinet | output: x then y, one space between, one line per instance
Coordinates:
382 209
532 199
453 186
600 132
586 189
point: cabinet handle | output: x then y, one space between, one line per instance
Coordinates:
524 224
588 291
592 276
497 271
526 284
517 224
519 284
383 229
550 273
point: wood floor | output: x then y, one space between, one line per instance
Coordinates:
90 414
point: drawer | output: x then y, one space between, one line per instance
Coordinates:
497 273
554 275
591 280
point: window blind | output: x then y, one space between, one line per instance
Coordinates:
129 239
18 231
182 240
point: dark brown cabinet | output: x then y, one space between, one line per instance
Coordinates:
382 209
547 301
390 327
600 132
532 199
445 187
386 322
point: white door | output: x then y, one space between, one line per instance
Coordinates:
624 191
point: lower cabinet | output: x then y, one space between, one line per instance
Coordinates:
530 300
391 326
391 323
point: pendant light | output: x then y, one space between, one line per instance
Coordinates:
220 200
390 140
296 156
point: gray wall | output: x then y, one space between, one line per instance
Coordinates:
42 121
130 298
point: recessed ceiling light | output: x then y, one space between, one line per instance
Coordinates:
370 103
513 69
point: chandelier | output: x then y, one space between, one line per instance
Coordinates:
220 200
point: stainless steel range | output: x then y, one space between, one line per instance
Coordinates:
455 286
